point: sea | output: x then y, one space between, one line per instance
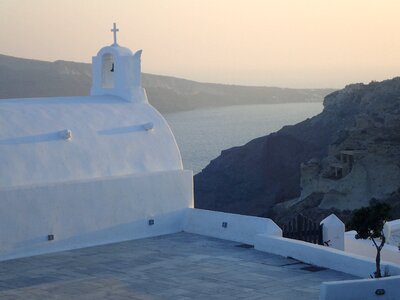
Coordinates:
202 134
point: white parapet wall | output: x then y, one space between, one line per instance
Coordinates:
234 227
94 212
391 230
387 288
366 248
322 256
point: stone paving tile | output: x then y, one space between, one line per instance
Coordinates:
178 266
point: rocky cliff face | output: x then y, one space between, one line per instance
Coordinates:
336 161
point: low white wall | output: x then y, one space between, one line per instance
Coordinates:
366 248
333 232
361 289
389 229
82 214
322 256
239 228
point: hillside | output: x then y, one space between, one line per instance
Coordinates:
24 78
334 162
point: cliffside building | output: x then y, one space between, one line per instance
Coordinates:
345 164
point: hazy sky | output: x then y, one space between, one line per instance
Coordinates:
293 43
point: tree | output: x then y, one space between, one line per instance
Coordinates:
368 223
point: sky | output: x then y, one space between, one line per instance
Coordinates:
286 43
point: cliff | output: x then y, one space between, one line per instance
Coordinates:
334 162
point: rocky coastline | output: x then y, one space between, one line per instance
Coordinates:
335 162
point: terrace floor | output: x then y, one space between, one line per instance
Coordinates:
176 266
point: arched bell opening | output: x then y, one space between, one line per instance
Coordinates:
107 71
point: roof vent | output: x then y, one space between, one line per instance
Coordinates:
148 126
66 134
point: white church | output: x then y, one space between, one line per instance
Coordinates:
81 171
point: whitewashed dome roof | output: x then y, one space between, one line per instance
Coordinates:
116 50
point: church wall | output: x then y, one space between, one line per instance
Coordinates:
82 214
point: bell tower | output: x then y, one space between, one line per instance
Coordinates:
116 71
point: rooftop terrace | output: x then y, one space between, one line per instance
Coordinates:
176 266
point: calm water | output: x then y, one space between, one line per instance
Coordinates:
202 134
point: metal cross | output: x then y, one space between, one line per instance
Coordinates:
115 30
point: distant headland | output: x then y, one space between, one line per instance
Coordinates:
23 78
